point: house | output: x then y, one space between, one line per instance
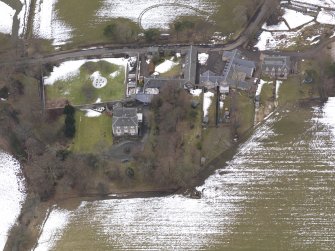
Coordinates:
125 122
276 66
236 74
237 70
210 80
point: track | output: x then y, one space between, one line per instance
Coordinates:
139 19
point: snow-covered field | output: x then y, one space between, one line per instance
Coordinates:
149 14
295 18
12 194
7 14
326 17
246 200
47 24
69 69
6 18
155 13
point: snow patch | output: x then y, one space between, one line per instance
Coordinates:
278 84
12 194
196 92
165 66
202 58
69 69
259 87
91 113
6 14
154 13
207 102
98 81
114 74
23 16
268 40
53 229
326 17
295 18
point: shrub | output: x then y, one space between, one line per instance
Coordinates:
151 35
130 172
4 92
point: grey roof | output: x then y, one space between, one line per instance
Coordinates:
245 65
160 82
144 97
247 70
237 69
210 77
277 62
125 117
191 65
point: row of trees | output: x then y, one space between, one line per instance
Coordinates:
70 121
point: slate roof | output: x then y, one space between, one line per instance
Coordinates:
210 77
191 65
237 69
160 82
125 117
144 98
277 62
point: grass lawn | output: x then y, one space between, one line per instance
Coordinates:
92 134
245 112
79 89
292 90
267 92
215 141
